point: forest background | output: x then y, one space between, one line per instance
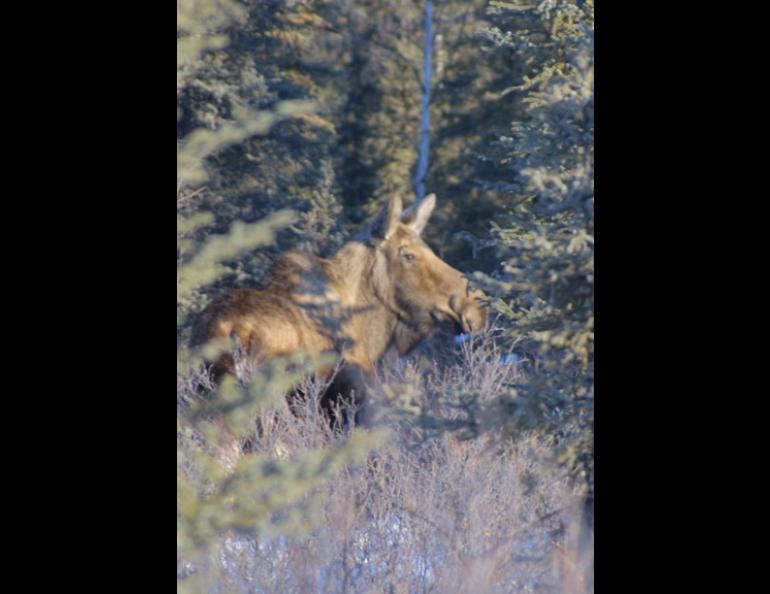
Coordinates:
294 121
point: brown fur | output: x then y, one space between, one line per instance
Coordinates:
383 288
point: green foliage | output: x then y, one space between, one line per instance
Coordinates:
199 28
294 119
205 266
547 237
253 125
217 493
258 494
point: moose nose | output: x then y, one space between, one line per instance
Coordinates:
461 310
471 312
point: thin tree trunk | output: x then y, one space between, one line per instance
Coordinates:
427 81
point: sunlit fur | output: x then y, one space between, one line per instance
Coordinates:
383 288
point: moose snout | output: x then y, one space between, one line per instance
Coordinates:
469 312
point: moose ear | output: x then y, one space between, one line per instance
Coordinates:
416 216
384 224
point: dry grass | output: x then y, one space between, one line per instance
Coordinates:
428 512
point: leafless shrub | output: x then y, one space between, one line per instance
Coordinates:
428 515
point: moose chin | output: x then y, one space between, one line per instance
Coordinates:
384 288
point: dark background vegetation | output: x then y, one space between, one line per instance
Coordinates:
313 107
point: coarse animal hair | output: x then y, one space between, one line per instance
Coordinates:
384 288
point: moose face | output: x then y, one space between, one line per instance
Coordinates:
422 288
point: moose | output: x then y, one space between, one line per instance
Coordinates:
384 288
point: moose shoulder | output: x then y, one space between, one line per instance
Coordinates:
385 287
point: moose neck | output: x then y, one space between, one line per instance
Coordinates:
363 285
